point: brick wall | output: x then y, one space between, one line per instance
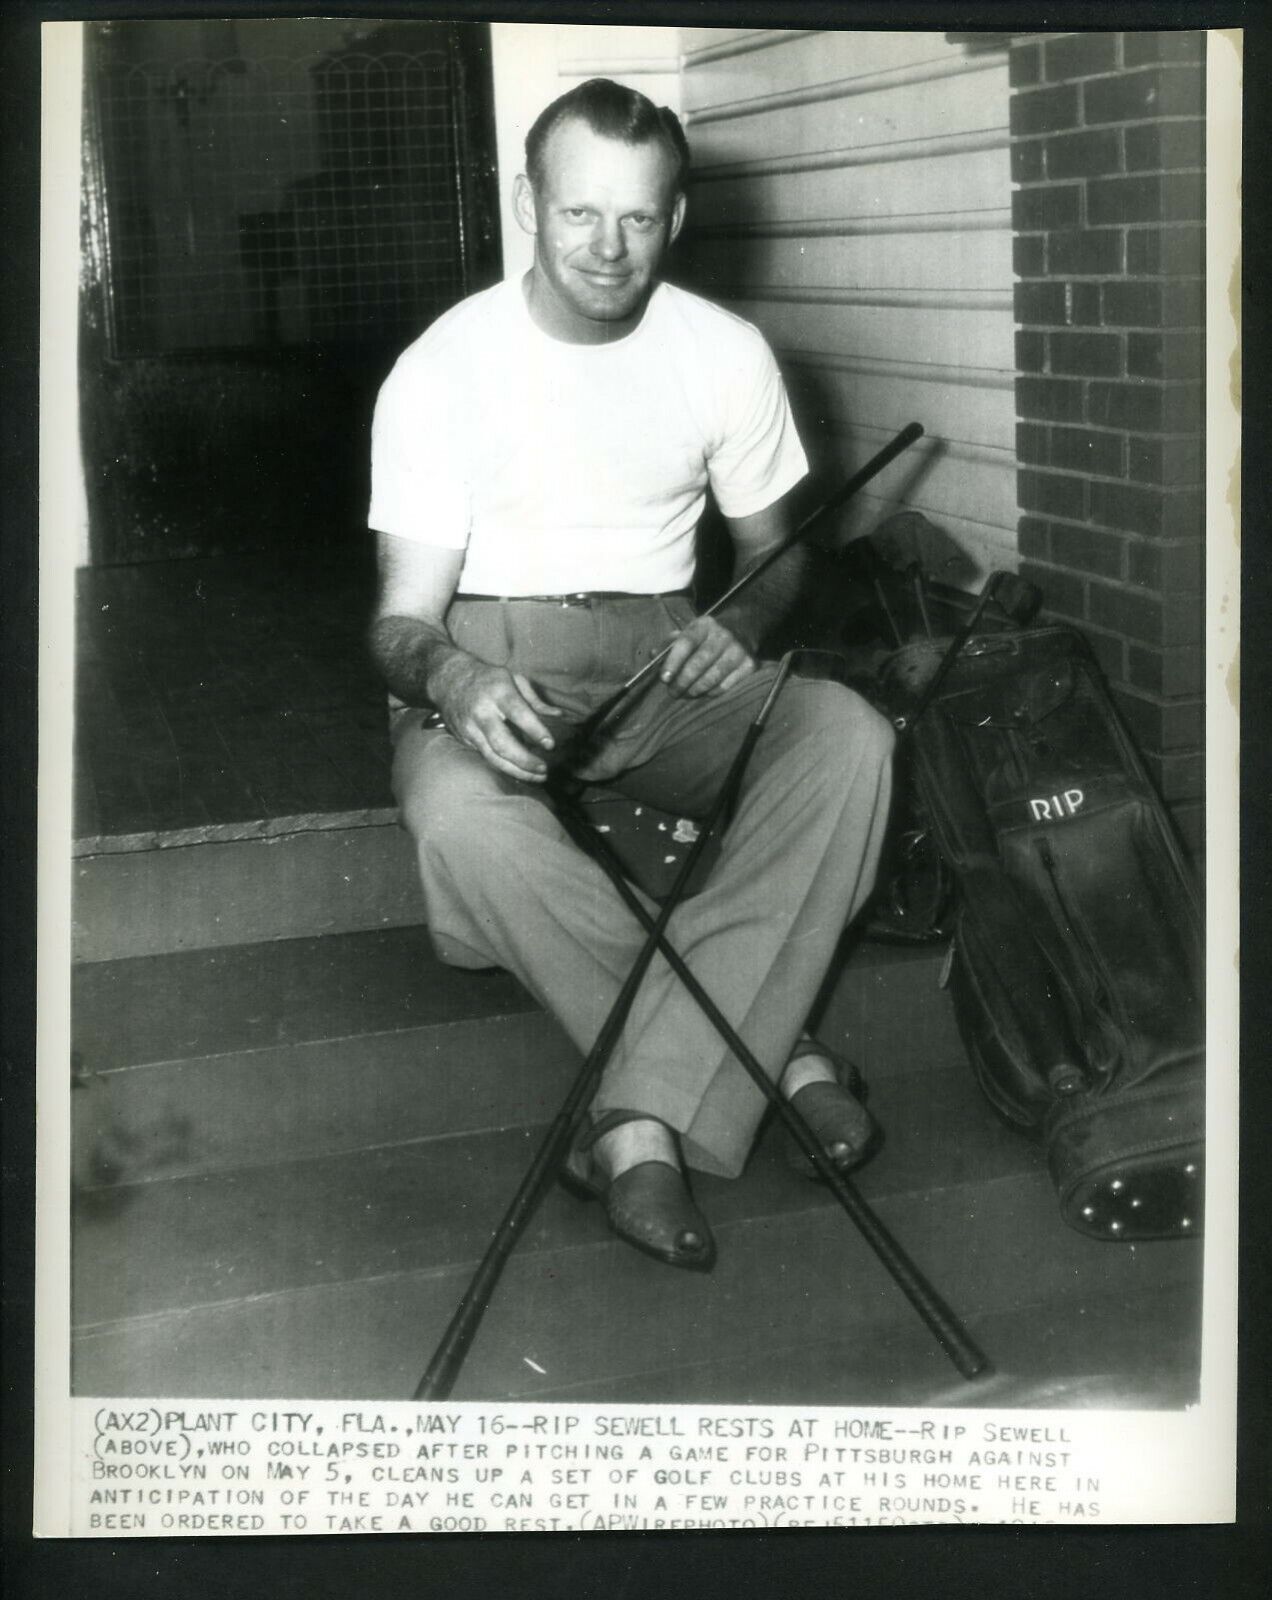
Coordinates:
1108 161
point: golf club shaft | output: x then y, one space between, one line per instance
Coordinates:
452 1349
937 1316
876 464
571 746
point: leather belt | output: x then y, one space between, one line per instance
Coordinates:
584 598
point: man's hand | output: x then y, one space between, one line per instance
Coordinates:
706 658
494 712
491 710
716 652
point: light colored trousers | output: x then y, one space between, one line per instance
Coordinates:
505 886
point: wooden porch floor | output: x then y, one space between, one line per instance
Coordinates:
224 691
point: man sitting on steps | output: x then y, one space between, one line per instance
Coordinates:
540 461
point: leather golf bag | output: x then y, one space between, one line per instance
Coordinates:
1077 943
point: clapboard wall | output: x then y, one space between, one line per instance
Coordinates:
852 196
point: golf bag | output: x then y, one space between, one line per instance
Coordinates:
1077 955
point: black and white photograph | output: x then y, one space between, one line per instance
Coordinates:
647 608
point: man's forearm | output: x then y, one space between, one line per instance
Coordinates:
491 710
416 658
768 601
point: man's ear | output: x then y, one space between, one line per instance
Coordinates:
523 204
677 218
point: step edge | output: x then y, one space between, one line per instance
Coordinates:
89 847
466 1268
316 1155
974 1322
320 1153
855 967
246 1052
854 949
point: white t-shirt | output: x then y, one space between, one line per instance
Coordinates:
562 467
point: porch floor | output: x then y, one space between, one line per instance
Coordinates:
224 691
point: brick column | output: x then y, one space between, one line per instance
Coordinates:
1108 154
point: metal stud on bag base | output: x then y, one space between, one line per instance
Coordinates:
1161 1203
1130 1167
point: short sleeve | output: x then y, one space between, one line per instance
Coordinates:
759 455
419 484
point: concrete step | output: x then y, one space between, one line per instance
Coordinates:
201 1003
272 1272
421 1206
590 1318
1132 1348
203 1061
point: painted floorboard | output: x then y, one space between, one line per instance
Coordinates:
574 1317
221 1058
218 1113
221 728
173 1244
312 879
1127 1349
216 1001
249 997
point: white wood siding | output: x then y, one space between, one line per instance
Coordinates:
63 496
852 196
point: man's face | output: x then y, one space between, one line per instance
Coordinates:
602 217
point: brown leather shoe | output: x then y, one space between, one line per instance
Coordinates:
835 1113
648 1206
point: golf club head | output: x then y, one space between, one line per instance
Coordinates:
1016 597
